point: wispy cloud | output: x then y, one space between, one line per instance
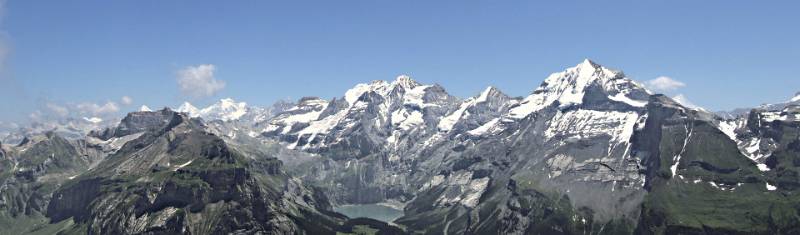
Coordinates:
664 83
95 109
59 110
55 110
683 100
126 100
199 81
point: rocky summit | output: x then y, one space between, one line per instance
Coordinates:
589 151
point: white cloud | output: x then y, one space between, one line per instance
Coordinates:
126 100
198 81
97 109
683 100
35 115
59 110
93 119
664 83
51 112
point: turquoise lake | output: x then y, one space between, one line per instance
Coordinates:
372 211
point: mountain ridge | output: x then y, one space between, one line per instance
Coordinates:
588 151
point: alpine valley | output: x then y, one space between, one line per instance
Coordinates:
589 151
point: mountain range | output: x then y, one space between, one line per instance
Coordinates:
589 151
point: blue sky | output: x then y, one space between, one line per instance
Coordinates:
727 53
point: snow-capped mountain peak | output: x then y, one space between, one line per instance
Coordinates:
489 91
188 108
588 65
225 109
405 81
571 85
382 107
144 108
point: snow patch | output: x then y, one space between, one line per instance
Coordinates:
677 159
625 99
188 108
771 187
729 128
796 98
447 123
484 95
183 165
590 123
415 96
484 128
763 167
94 120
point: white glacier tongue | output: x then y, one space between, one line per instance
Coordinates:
570 86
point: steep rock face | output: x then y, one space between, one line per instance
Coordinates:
698 181
178 178
755 133
477 115
31 171
139 122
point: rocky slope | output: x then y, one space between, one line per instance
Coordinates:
33 169
170 176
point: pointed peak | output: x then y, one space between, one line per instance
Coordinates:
406 81
490 91
587 63
187 107
144 108
590 70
